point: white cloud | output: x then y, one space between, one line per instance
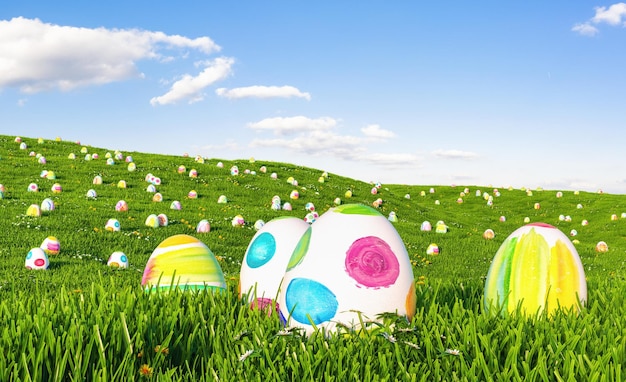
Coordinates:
394 160
585 29
191 88
374 131
37 56
454 154
613 15
290 125
262 92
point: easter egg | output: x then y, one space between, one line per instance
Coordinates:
234 171
121 184
274 176
175 205
56 188
559 194
181 169
112 225
266 258
441 227
337 201
489 234
84 150
348 194
374 191
121 206
151 188
192 194
310 218
51 245
110 162
193 173
602 247
263 169
350 266
91 194
163 220
33 210
51 175
294 195
152 221
47 205
33 187
426 226
157 197
433 249
97 180
36 259
131 167
222 199
203 226
287 206
23 146
275 206
526 220
392 217
259 224
238 221
184 262
536 267
309 207
290 180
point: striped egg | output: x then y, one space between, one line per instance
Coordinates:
266 258
348 267
51 245
184 262
538 268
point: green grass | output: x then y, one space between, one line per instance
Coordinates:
82 320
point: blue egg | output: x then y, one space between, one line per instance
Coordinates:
261 250
310 301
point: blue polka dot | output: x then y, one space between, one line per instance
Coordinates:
309 301
124 259
261 250
29 255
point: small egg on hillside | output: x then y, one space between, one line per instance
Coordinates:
203 226
47 205
433 249
489 234
33 187
97 180
118 259
602 247
152 221
121 206
112 225
51 245
176 205
33 210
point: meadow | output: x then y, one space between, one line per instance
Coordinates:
83 320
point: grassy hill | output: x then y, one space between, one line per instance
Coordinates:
82 318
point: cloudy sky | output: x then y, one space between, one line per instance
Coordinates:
526 94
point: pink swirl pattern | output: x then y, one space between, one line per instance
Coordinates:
371 263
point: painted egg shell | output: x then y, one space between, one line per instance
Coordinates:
200 159
275 206
614 217
152 221
18 139
274 176
108 155
537 267
131 166
121 206
426 226
337 201
602 247
56 188
121 184
238 221
441 227
51 175
43 173
157 197
351 265
234 171
377 203
87 157
309 207
176 205
97 180
51 245
294 194
374 191
36 259
222 199
584 222
526 220
392 217
433 249
502 219
95 156
47 205
568 218
432 190
192 194
42 160
151 188
156 181
33 187
220 165
184 262
181 169
559 194
91 194
489 234
275 199
71 156
203 226
290 180
310 218
23 146
259 224
266 258
83 150
579 206
287 206
263 169
33 210
573 232
163 220
112 225
119 156
110 162
246 171
193 173
437 202
537 206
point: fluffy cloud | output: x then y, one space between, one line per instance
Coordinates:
291 125
37 56
262 92
454 154
191 88
374 131
612 15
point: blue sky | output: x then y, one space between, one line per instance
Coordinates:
525 94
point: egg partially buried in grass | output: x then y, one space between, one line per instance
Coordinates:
51 245
266 258
538 268
349 267
184 262
36 259
118 260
